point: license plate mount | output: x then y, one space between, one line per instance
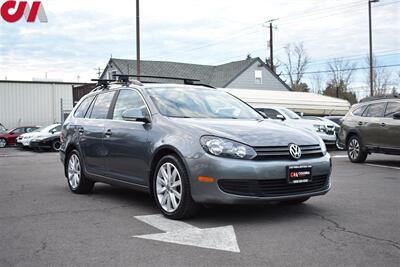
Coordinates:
299 174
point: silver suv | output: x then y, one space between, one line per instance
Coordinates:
187 145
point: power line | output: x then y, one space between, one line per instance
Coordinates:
349 69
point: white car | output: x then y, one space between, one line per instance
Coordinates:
24 140
325 129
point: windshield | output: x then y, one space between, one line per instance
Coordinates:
291 114
200 103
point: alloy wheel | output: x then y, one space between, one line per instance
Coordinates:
169 187
56 145
2 143
74 171
354 149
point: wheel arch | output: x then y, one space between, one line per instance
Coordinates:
157 155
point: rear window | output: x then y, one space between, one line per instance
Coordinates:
375 110
83 107
271 113
392 108
102 105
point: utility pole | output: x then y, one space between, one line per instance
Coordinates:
137 40
271 43
371 63
98 71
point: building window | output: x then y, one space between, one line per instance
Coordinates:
258 76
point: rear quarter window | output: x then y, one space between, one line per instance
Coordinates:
359 111
83 107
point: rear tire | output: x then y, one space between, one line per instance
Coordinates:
171 189
3 142
296 201
355 150
77 181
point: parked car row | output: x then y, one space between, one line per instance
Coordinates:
10 137
33 137
47 137
326 129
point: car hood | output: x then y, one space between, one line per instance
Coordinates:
251 132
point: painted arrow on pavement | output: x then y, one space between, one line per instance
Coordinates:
177 232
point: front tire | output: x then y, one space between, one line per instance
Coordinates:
355 150
171 189
3 142
77 181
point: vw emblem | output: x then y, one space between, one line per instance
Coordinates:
295 151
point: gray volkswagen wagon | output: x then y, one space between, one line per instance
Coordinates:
188 145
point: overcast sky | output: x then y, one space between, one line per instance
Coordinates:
81 35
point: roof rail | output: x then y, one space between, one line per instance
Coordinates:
379 97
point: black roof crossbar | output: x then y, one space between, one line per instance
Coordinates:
185 80
102 81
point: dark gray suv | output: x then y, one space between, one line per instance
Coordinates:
186 145
371 127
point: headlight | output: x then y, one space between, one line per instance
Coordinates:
323 146
222 147
319 128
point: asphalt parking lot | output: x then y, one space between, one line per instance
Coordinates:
42 224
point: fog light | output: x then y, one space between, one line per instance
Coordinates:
205 179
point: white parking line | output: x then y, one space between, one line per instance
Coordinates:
382 166
339 156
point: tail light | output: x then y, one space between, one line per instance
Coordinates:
62 137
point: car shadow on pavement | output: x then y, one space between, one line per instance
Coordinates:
142 204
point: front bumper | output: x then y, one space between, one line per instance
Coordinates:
259 171
40 144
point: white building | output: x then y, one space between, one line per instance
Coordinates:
34 102
308 103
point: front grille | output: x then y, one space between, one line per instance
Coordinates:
282 152
272 188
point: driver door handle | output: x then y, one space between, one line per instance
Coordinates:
360 123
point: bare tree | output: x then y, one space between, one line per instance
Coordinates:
381 78
296 64
318 83
341 72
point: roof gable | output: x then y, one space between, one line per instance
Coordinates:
217 76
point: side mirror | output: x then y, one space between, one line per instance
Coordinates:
396 116
135 114
280 117
53 131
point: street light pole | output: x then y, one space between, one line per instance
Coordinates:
371 63
137 40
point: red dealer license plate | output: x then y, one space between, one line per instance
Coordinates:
299 174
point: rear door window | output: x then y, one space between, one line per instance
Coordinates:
102 105
128 99
375 110
392 108
83 107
